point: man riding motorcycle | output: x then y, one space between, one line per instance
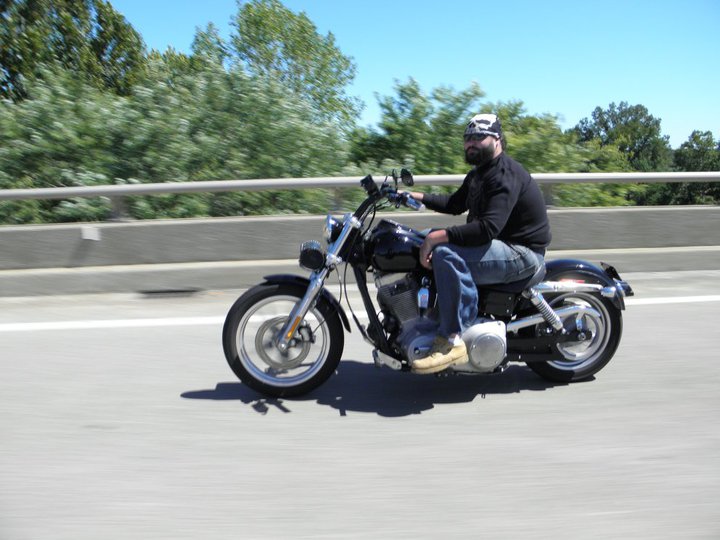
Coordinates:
504 239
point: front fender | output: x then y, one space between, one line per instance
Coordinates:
606 276
304 282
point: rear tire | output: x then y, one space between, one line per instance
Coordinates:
582 359
248 341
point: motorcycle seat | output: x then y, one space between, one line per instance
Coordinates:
518 286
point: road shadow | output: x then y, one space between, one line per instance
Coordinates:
361 387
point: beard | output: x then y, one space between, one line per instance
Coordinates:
480 156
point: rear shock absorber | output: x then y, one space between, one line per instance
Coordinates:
538 300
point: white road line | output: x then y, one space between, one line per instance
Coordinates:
109 324
671 300
217 321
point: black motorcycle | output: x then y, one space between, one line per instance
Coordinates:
285 336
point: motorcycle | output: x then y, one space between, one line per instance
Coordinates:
285 336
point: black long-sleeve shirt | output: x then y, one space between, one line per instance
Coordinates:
502 201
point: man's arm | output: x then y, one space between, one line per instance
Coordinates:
434 238
447 204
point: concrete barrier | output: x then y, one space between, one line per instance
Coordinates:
233 252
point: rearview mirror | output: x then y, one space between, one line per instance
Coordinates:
407 178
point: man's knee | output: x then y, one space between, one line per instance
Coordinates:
442 252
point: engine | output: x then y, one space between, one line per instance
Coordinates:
398 298
413 324
407 317
486 343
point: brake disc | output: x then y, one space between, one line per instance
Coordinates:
265 337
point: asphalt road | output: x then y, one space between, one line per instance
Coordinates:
120 419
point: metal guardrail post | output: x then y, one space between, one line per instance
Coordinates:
119 209
337 200
548 194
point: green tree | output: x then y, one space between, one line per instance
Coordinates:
178 125
87 37
57 136
271 40
405 129
633 131
538 142
208 47
418 130
701 152
425 132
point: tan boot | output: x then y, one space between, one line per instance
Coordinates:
442 355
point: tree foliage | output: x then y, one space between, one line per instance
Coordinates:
633 131
271 40
701 152
636 134
87 37
86 105
419 130
425 132
214 125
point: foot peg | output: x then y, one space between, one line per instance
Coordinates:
381 359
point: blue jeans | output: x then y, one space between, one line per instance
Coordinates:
458 269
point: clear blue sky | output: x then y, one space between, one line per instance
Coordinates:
559 57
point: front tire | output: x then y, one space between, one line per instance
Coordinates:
249 334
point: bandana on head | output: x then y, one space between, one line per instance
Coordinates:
484 124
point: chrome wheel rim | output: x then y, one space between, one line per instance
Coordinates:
579 354
257 329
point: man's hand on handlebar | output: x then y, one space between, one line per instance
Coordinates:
417 195
409 199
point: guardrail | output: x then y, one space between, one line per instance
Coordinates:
232 252
208 186
116 193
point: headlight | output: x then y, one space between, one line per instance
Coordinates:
331 229
312 256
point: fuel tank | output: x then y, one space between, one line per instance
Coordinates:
394 247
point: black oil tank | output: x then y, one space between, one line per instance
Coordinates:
395 247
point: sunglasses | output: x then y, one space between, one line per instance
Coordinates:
476 137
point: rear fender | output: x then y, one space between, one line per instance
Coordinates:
607 276
304 282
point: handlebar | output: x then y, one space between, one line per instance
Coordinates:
390 193
404 199
412 203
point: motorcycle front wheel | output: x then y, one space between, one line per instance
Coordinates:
252 326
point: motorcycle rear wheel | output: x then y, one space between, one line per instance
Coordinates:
250 329
581 360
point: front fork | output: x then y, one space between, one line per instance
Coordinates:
317 279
